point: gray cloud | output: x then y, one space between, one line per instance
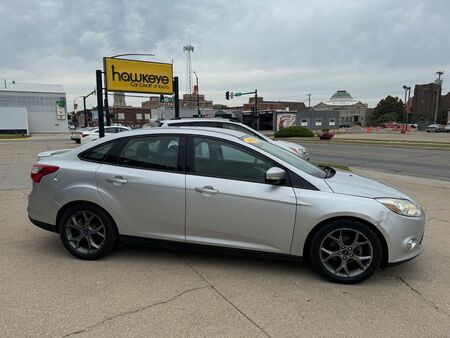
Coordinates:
286 49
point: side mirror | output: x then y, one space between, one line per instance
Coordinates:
275 175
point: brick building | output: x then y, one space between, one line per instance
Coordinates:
273 105
424 104
189 101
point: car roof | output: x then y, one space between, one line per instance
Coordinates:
198 119
206 131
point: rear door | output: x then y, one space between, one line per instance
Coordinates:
228 202
146 186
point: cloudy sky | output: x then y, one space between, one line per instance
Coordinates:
285 49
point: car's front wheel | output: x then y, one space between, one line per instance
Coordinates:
346 251
87 231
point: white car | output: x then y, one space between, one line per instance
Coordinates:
92 135
228 124
75 135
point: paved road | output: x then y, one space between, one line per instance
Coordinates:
406 161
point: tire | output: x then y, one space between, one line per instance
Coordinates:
339 251
87 231
78 141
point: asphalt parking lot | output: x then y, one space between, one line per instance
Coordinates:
151 292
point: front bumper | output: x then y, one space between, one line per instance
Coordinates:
401 233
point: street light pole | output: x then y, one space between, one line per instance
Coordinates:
406 117
198 101
439 73
404 113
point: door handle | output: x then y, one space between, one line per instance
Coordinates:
206 190
118 180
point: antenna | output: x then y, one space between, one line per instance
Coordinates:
188 48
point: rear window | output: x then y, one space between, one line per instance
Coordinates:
97 154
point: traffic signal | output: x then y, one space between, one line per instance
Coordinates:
227 95
161 98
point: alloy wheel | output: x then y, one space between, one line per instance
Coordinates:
85 232
346 252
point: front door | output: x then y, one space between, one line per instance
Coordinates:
146 187
228 202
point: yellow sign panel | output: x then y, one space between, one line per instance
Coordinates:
138 76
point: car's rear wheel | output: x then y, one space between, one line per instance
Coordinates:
78 141
87 231
346 251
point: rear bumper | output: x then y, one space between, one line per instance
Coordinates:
42 225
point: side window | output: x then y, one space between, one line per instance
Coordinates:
202 150
97 154
110 130
151 152
221 159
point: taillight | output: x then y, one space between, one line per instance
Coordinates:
40 170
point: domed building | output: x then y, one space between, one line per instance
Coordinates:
351 111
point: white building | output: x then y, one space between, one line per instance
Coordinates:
351 111
45 107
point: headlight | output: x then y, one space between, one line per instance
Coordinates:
401 207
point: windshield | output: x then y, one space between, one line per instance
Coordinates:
286 156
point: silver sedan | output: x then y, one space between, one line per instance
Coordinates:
209 188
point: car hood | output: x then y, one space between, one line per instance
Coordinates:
351 184
287 145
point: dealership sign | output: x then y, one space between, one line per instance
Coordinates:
138 76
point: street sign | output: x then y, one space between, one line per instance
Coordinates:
138 76
237 94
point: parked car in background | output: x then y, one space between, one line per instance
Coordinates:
76 134
219 188
92 135
344 125
447 128
435 128
297 149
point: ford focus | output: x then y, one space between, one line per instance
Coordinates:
218 188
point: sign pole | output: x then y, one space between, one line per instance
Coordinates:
108 119
256 125
177 103
101 122
84 111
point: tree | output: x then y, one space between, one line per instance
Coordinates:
389 109
219 106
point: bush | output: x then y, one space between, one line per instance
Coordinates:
294 131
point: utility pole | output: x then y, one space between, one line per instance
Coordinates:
438 92
309 100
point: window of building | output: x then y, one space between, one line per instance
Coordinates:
318 122
120 116
147 117
138 116
332 121
304 122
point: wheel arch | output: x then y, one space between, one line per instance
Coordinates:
66 206
384 246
